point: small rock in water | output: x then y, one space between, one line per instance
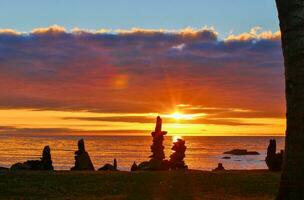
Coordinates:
109 167
226 157
241 152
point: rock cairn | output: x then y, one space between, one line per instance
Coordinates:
157 147
157 161
177 157
45 162
220 167
82 158
274 160
134 167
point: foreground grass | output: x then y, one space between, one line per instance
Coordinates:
232 185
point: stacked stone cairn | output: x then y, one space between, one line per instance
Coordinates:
82 158
157 161
274 160
45 163
177 157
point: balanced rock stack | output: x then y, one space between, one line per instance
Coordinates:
220 167
177 157
46 159
274 160
45 163
134 167
157 147
82 158
157 161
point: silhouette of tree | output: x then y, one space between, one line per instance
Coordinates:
291 16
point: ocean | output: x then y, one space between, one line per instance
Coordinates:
203 153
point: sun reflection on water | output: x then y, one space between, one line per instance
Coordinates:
176 137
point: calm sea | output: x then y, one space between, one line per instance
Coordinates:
202 152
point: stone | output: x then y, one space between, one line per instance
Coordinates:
134 167
157 161
45 162
157 147
177 157
220 167
47 159
226 157
82 158
274 160
109 167
241 152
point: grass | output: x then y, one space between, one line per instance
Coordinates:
232 185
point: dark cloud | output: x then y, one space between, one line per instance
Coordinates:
211 121
140 70
62 131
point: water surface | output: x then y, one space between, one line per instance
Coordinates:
202 152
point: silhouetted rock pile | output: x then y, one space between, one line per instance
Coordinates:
157 147
220 167
241 152
274 160
157 161
177 157
45 163
109 167
82 158
134 167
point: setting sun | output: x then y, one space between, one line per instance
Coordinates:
177 116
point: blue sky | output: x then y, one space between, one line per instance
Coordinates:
226 16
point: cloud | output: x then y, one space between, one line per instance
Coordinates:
255 33
9 131
141 70
137 119
52 30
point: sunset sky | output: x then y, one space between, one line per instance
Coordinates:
110 67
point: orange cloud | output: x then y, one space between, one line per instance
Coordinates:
52 30
9 32
255 33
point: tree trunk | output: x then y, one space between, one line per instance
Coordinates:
291 15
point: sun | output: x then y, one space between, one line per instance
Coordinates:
181 116
177 116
